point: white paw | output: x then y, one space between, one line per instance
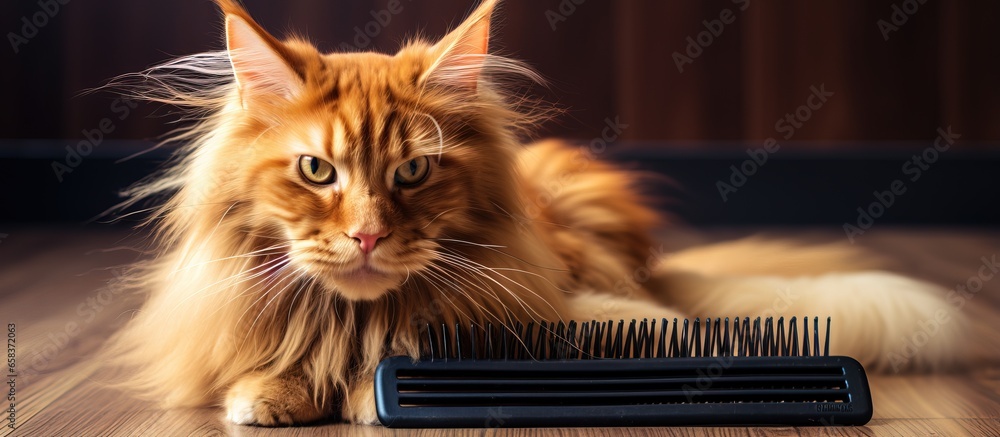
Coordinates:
240 411
257 400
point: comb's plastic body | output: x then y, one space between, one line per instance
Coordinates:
622 392
606 374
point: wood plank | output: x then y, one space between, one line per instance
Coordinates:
40 289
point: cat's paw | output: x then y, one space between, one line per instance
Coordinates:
360 405
258 400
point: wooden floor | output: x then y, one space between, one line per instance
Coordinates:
51 289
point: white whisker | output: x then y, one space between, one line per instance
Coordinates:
267 267
494 247
471 267
439 131
259 252
293 281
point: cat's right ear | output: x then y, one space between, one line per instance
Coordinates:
260 69
461 55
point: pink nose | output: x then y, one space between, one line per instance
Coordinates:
367 240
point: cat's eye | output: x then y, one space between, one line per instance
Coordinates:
316 170
412 172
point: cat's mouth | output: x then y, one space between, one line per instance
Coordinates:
366 272
364 282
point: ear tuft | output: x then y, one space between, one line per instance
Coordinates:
461 54
259 67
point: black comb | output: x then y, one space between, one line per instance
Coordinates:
716 372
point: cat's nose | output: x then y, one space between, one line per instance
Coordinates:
367 240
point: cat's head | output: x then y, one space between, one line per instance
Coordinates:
365 163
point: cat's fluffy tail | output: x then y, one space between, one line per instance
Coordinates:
766 256
886 321
588 211
591 215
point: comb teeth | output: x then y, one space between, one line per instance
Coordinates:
741 337
701 372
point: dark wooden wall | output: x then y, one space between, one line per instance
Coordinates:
938 69
604 59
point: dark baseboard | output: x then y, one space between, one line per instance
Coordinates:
959 188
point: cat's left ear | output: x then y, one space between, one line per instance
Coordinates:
461 55
260 61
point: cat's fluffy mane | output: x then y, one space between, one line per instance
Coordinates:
222 302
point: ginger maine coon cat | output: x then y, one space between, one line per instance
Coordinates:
326 205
